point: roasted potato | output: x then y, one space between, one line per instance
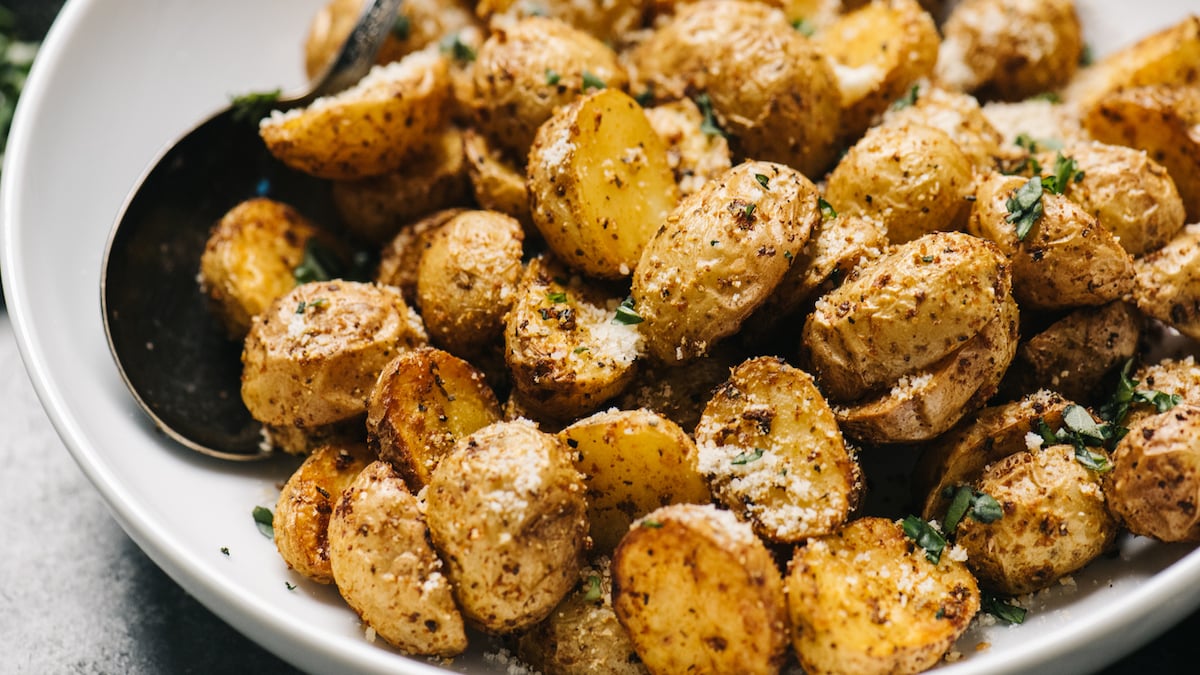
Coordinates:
718 256
694 155
466 279
375 208
599 183
401 258
1173 377
773 454
958 115
606 20
1009 49
251 256
699 593
878 51
1167 286
1168 57
1066 258
1047 123
497 183
679 392
906 311
506 510
306 502
370 129
423 403
1054 521
867 600
1152 487
386 569
632 461
312 357
569 345
913 178
528 68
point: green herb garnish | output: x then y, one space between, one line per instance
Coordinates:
456 48
401 27
557 297
1065 170
593 592
748 456
590 81
252 107
626 313
709 124
1004 611
319 264
1025 207
804 27
926 536
290 586
225 550
552 77
265 520
908 99
749 212
827 212
653 524
1127 394
969 501
763 181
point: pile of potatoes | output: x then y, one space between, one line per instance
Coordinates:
651 277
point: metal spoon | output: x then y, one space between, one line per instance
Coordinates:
176 360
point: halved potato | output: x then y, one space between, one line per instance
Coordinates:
1170 56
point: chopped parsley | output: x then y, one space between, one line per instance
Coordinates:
1025 207
1086 58
456 48
401 27
319 264
290 586
580 350
652 524
591 81
927 258
709 124
804 27
909 99
1065 171
827 212
926 536
763 181
750 209
645 98
265 520
1082 432
1006 612
748 456
225 550
593 592
557 297
1049 96
252 107
552 77
969 501
1116 409
626 313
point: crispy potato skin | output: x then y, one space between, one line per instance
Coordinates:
1167 286
1171 376
1074 354
250 259
1153 484
958 115
507 511
312 358
1055 521
699 593
866 600
771 449
497 182
305 506
719 255
632 461
386 569
401 257
680 392
913 178
424 401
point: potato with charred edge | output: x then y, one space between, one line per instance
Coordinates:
878 52
632 461
771 449
400 259
424 402
599 183
569 345
868 601
582 636
313 357
506 510
251 257
306 503
719 255
906 311
699 593
1054 521
1156 468
527 69
958 115
497 183
1066 259
370 129
466 279
386 569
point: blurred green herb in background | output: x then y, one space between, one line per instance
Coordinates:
15 58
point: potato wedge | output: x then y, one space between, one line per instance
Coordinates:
1153 488
599 183
1169 57
699 593
632 461
387 571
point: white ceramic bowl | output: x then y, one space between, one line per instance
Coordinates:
116 79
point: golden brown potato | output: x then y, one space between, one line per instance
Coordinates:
866 600
1162 121
772 91
878 52
958 115
370 129
375 208
506 509
424 401
699 593
565 345
306 503
466 279
1170 57
582 636
497 183
694 156
599 183
1046 122
632 461
526 69
401 258
906 311
773 454
609 21
387 571
913 178
1152 488
307 440
1009 49
1054 521
251 257
960 456
312 358
1174 377
719 255
679 392
1066 258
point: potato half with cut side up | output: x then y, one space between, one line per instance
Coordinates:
772 451
699 593
599 183
867 600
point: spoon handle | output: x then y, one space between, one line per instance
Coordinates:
357 55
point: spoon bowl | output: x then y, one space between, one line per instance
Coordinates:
173 355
